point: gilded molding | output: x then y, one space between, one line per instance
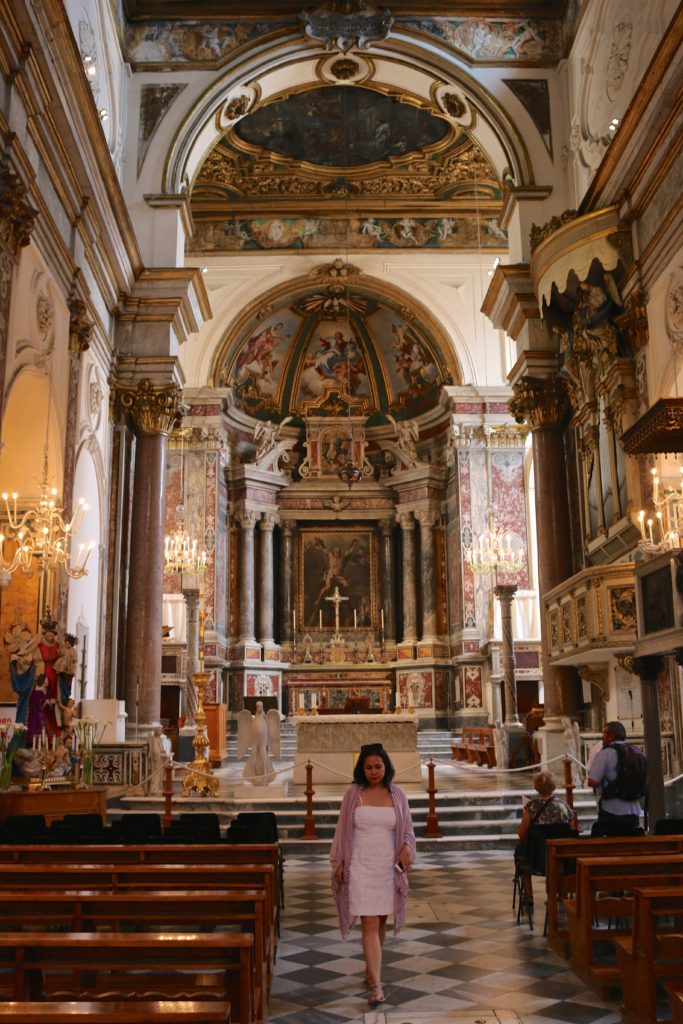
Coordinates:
343 25
539 234
80 328
155 410
540 403
17 216
633 321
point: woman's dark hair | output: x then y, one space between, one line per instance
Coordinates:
373 750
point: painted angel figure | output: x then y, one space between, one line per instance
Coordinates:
257 734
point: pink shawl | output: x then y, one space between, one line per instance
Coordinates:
342 846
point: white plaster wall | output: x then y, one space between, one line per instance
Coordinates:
84 593
665 320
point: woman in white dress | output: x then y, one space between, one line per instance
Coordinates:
372 850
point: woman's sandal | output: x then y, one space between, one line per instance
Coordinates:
376 995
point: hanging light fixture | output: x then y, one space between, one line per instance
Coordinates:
496 548
41 535
181 551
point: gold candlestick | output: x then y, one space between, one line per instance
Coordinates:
199 775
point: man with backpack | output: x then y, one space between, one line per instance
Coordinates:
618 773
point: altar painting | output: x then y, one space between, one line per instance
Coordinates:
337 559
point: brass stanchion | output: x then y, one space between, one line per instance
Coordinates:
199 775
168 794
309 821
432 829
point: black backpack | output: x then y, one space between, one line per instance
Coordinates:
631 781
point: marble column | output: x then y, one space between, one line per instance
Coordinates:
505 594
408 582
247 521
287 581
17 218
154 410
426 519
543 403
266 525
191 595
387 527
649 669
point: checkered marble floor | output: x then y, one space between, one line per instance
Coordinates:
461 959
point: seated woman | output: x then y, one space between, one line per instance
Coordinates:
544 809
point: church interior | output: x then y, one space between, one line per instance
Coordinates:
349 338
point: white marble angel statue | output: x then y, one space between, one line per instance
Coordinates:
257 734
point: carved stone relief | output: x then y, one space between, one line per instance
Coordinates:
674 309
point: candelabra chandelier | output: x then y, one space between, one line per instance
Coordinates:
41 536
664 529
495 548
181 551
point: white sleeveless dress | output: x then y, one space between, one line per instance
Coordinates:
371 881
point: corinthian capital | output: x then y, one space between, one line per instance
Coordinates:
540 402
155 409
405 521
16 213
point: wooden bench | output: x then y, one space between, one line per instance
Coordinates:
92 911
652 953
561 857
675 992
604 887
88 966
476 746
115 1012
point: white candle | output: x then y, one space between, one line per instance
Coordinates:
294 620
54 742
381 614
301 701
641 523
649 529
314 700
661 528
320 618
398 701
355 622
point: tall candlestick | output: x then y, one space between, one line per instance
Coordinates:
381 617
294 620
320 618
355 623
641 523
649 529
314 700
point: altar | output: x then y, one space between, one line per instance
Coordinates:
333 743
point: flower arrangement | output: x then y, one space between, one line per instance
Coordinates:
11 736
87 732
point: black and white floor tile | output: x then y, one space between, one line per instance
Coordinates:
461 959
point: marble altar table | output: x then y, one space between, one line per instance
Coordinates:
333 742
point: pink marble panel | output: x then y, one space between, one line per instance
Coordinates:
507 480
472 686
174 497
466 538
262 684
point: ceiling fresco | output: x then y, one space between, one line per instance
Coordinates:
369 358
342 127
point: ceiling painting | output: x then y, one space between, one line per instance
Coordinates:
341 127
368 360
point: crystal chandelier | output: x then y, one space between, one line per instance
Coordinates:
495 548
41 536
665 530
181 551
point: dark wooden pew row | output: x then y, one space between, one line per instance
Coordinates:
115 1012
561 855
85 966
116 877
604 890
653 953
209 853
675 993
78 911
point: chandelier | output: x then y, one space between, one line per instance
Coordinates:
42 537
664 530
181 551
495 548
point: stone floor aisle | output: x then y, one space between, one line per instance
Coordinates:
462 959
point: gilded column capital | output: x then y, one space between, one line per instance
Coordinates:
540 402
80 328
155 409
17 216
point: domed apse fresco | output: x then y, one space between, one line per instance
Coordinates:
304 362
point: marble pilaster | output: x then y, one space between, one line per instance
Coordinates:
191 595
387 528
407 524
266 588
287 578
154 411
649 669
426 518
247 523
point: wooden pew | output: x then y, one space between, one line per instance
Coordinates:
106 966
652 953
204 853
476 746
604 887
561 857
675 992
115 1012
92 911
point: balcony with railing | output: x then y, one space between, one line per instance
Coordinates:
591 617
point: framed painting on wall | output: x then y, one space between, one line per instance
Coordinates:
332 557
